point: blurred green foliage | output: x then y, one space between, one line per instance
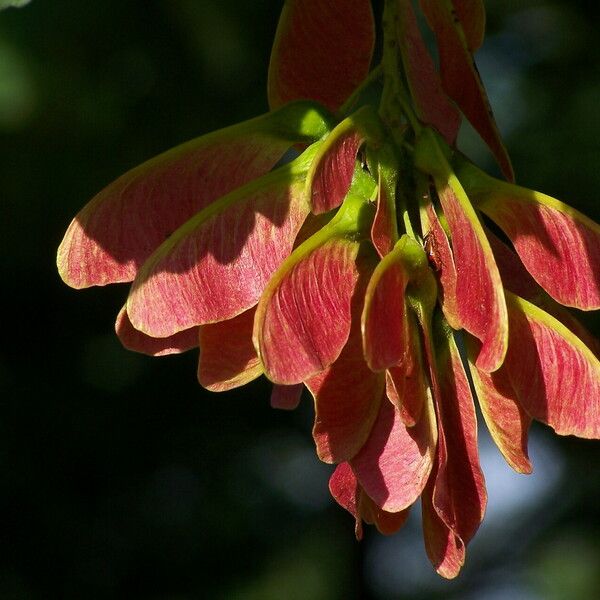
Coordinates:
121 477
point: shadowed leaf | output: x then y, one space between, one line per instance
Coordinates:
432 104
384 232
517 279
218 263
555 376
460 77
304 315
227 356
286 397
570 322
387 523
347 492
384 318
303 320
322 51
331 171
395 462
459 496
504 416
118 230
440 255
135 340
480 302
471 14
347 397
550 237
406 385
479 297
445 549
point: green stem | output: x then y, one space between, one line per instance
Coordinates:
395 100
395 97
423 200
373 76
408 225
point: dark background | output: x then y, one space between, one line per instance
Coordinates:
122 478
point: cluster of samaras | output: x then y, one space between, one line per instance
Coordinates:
354 268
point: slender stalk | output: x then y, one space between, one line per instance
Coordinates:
373 76
395 98
408 225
